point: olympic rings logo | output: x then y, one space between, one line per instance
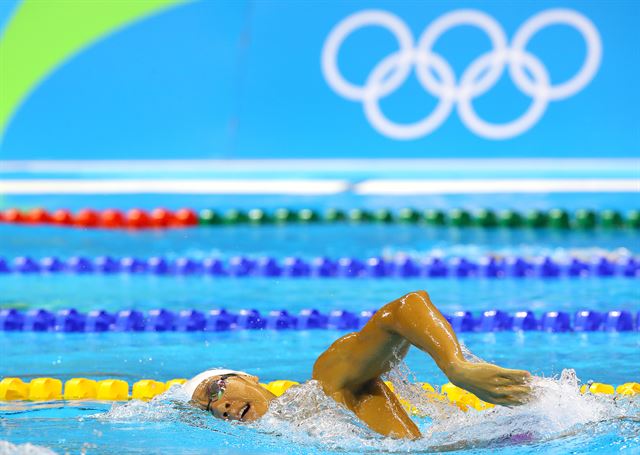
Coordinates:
526 70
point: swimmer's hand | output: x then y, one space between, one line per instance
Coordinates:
492 383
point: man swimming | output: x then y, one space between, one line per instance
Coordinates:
350 370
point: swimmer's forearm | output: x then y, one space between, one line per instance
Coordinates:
416 319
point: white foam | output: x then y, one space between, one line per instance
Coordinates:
557 408
306 417
6 448
166 406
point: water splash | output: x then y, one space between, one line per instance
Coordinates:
305 417
162 407
468 355
557 409
6 448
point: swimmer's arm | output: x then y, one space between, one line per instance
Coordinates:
412 319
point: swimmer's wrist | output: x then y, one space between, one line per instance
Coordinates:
456 370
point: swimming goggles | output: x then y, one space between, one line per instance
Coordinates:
217 389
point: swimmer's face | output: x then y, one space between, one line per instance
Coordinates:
233 397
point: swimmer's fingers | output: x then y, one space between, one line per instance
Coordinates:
506 395
517 395
516 376
510 400
504 400
506 381
520 391
516 401
495 395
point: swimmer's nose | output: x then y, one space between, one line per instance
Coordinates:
229 411
224 411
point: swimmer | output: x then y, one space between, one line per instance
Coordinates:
350 371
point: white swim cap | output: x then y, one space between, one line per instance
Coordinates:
190 386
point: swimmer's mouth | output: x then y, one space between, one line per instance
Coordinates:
244 411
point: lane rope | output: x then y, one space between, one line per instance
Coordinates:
160 218
52 389
217 320
488 267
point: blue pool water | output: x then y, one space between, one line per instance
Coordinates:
305 241
558 421
162 427
346 200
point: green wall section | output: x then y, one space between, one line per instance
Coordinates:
42 35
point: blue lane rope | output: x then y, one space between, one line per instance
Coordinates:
346 267
163 320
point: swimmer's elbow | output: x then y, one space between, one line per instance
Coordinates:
410 299
414 301
419 295
408 303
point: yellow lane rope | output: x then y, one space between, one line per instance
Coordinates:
51 389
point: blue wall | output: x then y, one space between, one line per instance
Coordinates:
244 80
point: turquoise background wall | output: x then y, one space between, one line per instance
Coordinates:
244 79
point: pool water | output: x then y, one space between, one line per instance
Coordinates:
290 355
559 420
306 241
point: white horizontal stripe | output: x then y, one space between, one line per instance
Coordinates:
405 187
316 187
301 187
565 165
